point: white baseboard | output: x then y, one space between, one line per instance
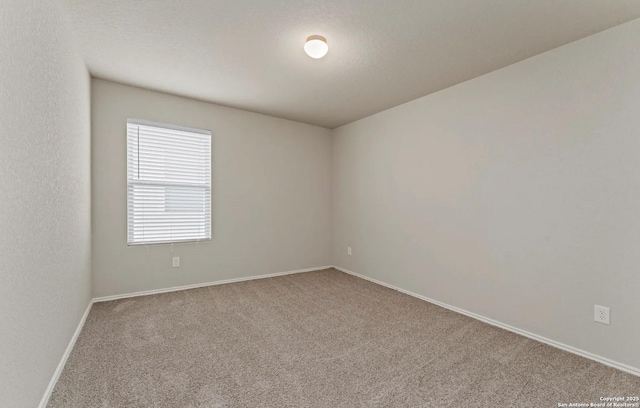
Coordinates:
201 285
620 366
47 394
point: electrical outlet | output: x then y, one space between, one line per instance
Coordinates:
601 314
176 262
349 251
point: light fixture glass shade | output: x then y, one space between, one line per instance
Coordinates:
316 46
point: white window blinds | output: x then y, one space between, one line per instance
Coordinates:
168 183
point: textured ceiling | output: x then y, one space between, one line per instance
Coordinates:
248 53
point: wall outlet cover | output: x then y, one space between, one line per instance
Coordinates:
602 314
176 262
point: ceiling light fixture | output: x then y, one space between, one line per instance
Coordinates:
316 46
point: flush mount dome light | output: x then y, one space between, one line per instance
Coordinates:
316 46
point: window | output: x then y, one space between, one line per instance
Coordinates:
168 183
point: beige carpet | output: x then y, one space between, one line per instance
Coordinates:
318 339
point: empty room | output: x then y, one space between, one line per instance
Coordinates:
340 203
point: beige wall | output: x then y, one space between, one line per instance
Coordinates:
515 195
270 194
44 196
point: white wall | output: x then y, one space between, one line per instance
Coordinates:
270 194
515 195
44 196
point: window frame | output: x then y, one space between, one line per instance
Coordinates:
206 132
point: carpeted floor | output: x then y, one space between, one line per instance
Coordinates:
317 339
